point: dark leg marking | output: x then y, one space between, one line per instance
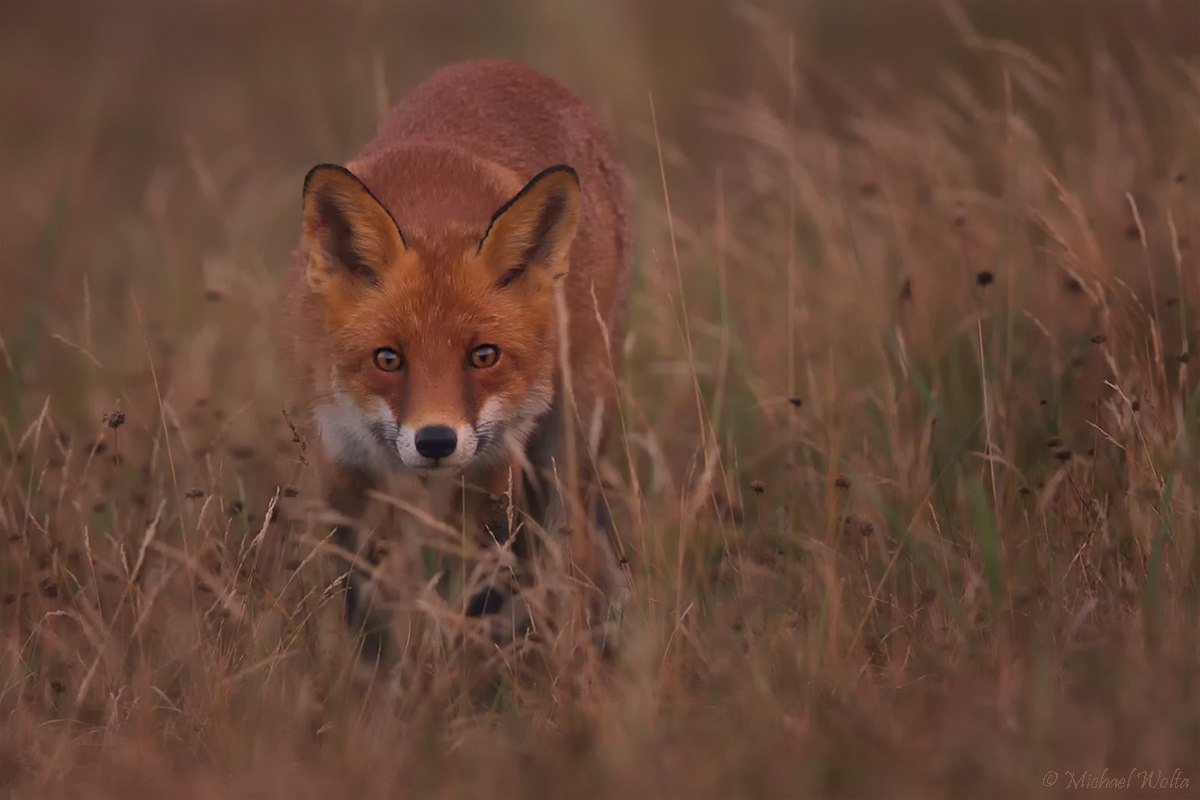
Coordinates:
487 601
496 523
370 624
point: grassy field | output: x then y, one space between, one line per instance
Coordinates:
909 467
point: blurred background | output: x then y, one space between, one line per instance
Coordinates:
140 141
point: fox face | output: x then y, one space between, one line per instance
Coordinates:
442 352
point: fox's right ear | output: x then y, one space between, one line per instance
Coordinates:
350 235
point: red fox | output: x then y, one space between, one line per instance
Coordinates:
454 303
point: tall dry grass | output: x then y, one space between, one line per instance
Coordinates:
907 475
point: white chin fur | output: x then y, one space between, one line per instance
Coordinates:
464 452
438 471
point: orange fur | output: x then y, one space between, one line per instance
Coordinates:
484 191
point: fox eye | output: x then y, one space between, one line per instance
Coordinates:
388 359
484 356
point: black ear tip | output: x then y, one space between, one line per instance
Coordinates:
562 169
319 168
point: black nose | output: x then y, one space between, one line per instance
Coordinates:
435 441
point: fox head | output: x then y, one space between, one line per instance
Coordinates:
443 354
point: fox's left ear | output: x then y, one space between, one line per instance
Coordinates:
531 234
351 236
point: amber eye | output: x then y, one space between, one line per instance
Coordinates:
484 356
388 359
